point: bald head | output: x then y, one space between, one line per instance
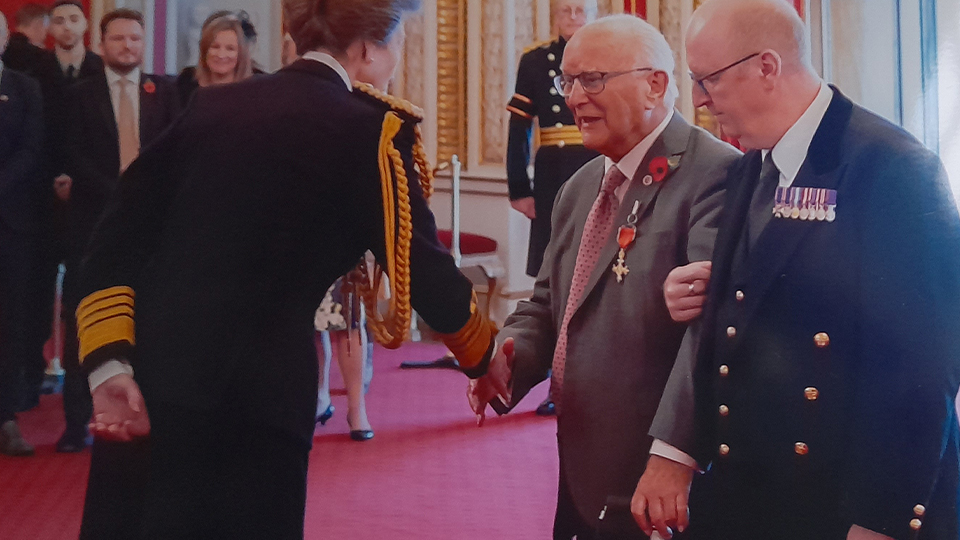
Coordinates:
744 27
751 63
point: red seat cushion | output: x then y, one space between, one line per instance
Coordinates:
470 244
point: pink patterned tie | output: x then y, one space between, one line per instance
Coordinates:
596 231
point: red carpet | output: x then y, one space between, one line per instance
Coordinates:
428 474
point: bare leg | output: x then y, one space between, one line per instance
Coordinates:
324 356
350 355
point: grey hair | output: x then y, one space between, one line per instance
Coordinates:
653 46
589 7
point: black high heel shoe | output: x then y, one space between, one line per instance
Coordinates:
361 435
327 415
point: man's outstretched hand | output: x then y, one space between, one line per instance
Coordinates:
119 412
495 383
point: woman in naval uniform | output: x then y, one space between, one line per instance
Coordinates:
218 247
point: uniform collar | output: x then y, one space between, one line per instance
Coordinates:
791 150
332 63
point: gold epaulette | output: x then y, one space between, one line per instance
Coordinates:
393 328
538 45
105 317
399 105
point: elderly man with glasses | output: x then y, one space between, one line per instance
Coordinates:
830 361
597 316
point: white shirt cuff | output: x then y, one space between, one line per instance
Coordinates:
664 450
109 369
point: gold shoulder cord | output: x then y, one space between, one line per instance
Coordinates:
393 328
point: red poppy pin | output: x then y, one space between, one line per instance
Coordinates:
660 167
149 87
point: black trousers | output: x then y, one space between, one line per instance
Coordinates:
15 261
77 404
734 502
206 475
47 255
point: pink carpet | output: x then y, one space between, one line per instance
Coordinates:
428 474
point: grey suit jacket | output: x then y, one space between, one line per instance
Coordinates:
622 344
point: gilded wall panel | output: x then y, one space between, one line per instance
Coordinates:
451 79
414 66
493 118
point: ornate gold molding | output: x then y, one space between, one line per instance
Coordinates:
451 79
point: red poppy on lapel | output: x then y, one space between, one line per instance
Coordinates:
659 167
149 87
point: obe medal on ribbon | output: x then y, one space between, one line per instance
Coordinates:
625 238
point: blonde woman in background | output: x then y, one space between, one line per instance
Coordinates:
224 56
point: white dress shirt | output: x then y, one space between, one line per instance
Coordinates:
791 150
629 164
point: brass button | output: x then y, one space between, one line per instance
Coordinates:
724 449
558 124
821 339
724 410
552 73
740 296
731 332
801 449
724 370
811 393
551 57
553 90
915 524
555 108
919 510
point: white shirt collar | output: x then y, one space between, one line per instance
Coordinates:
629 164
791 150
113 77
332 63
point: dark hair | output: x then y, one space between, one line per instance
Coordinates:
76 3
29 13
121 14
335 24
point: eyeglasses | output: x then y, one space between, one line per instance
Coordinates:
593 82
715 76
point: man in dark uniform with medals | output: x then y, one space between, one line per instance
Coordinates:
829 363
561 152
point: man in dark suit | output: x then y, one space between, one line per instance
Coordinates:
69 62
25 50
830 358
111 116
597 316
21 138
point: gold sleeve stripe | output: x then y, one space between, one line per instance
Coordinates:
470 343
112 330
518 112
523 98
106 296
101 315
105 317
